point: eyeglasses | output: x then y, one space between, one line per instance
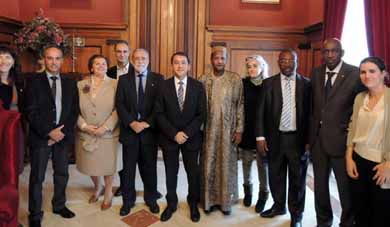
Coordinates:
283 60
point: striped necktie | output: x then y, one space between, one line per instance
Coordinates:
180 95
287 107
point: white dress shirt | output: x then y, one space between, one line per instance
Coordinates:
122 70
335 70
283 80
58 100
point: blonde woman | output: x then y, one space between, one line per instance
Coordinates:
256 70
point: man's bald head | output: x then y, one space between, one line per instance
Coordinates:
332 52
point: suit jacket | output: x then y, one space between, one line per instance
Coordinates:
111 72
126 107
329 120
41 110
171 119
270 106
100 110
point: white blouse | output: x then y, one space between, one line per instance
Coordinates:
370 130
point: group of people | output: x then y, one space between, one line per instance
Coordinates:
338 118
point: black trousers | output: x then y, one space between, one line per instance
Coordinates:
145 155
288 158
322 165
370 202
39 158
191 166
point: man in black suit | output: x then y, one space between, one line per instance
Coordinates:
180 112
135 100
122 53
281 133
52 110
334 87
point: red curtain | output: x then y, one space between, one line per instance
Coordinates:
377 13
9 160
334 13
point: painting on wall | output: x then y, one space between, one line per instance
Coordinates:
71 4
261 1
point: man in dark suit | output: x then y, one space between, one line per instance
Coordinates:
281 133
52 110
135 100
122 53
180 112
334 87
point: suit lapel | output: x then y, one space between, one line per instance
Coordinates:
299 98
173 94
46 87
65 97
278 97
149 87
321 84
132 89
187 100
339 80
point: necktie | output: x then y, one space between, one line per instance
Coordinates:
180 95
328 85
141 95
54 86
286 109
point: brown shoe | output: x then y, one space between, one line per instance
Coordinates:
93 199
106 206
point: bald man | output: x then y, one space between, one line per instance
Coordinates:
334 87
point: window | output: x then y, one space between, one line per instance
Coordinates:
354 38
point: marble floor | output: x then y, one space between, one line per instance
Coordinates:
88 215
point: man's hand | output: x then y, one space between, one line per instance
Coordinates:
262 147
144 124
237 137
181 137
50 142
56 134
137 126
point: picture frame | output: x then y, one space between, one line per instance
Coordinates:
261 1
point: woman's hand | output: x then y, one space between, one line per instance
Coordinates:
382 174
351 168
90 129
100 131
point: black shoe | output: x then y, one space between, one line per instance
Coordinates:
194 211
167 214
248 195
34 223
226 212
64 212
295 223
263 196
118 192
154 208
125 210
158 195
272 213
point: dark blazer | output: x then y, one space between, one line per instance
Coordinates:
111 72
333 117
251 99
171 120
126 104
270 106
40 109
